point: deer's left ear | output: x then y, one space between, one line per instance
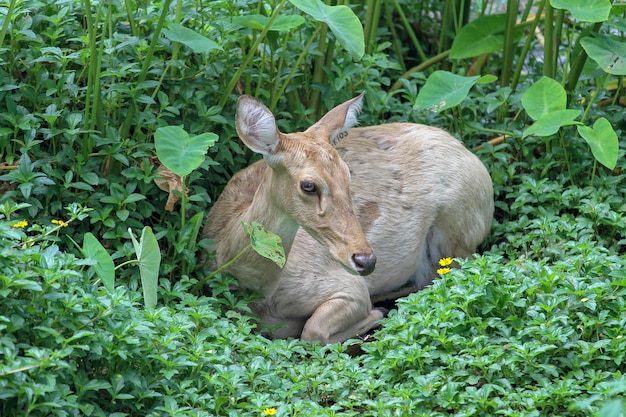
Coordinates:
256 126
336 122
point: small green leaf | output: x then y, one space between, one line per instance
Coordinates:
487 79
608 53
543 97
444 90
550 123
104 267
265 243
603 141
281 23
149 257
585 10
481 36
190 38
341 20
180 152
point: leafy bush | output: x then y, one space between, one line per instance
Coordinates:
532 327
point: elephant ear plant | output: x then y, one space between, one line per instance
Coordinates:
181 154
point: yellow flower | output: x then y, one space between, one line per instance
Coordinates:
445 261
269 411
20 225
59 222
442 271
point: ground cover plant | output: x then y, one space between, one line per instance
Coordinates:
533 326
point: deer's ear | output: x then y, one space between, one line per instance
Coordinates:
256 126
336 122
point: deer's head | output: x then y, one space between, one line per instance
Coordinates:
310 182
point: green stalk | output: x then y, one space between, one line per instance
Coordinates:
294 68
233 82
409 31
372 16
581 57
147 61
509 41
87 144
200 283
131 19
318 68
395 40
421 67
548 47
526 48
7 21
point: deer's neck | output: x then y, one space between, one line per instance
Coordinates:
254 271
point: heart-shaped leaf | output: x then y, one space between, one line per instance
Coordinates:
341 20
481 36
444 90
585 10
149 257
190 38
104 266
603 141
265 243
543 97
281 23
180 152
550 123
608 53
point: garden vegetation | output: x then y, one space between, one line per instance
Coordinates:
110 109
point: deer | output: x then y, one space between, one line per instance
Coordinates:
364 214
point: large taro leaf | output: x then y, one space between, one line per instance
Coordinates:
341 20
179 151
543 97
603 141
608 53
481 36
585 10
190 38
444 90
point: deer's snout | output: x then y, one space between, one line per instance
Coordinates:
364 263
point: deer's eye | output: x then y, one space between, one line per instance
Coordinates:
308 187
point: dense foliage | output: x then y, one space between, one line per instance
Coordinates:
534 326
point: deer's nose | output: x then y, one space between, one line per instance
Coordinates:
364 263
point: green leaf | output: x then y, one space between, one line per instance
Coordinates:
487 79
341 20
265 243
444 90
585 10
543 97
550 123
104 267
481 36
603 141
149 257
281 23
180 152
190 38
608 53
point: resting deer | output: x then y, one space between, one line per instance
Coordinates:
411 192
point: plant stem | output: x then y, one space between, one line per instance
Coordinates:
231 85
147 61
295 67
7 21
200 283
548 47
509 41
526 48
409 31
420 67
